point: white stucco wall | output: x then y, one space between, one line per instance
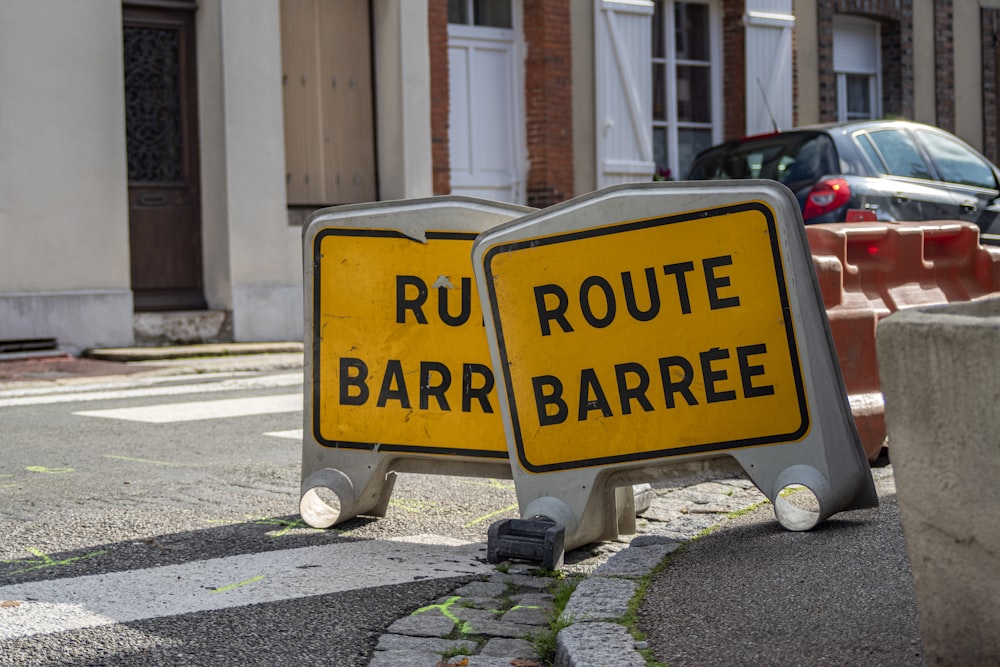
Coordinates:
807 62
64 258
252 255
968 73
924 75
214 174
402 98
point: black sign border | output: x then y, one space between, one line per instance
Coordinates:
631 226
317 368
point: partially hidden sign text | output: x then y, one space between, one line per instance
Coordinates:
402 362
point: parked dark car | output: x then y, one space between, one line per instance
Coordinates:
875 170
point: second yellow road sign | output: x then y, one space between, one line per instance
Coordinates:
647 338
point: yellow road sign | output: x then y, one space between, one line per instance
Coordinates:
647 338
402 360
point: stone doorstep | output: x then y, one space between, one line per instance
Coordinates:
182 327
183 352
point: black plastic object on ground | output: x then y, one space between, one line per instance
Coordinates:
527 539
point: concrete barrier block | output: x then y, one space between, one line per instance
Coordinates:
941 380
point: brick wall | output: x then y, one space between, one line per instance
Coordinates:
991 77
734 70
437 29
548 101
944 64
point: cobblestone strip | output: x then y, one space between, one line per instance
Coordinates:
489 623
481 624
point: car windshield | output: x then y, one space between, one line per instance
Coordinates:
794 158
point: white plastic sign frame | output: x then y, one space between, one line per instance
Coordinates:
397 367
646 327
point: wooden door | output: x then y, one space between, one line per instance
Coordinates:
162 146
327 95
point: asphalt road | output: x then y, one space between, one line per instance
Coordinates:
90 497
756 594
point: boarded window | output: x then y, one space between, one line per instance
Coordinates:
327 85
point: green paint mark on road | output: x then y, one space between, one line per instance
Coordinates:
413 505
43 560
223 589
48 471
490 515
288 526
492 483
135 460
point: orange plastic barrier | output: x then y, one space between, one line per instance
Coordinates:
869 270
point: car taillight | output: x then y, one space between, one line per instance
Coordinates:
827 195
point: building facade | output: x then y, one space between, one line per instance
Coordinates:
158 157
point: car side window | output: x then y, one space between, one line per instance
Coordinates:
868 148
899 154
956 163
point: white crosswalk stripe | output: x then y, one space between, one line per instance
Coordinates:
44 607
293 434
15 398
169 413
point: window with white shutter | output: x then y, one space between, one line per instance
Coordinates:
769 26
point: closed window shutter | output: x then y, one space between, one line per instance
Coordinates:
623 91
769 27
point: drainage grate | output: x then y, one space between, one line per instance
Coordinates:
27 345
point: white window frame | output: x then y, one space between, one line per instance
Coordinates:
671 124
870 67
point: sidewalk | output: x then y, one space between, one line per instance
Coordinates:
115 364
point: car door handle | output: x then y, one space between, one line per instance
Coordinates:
968 206
901 198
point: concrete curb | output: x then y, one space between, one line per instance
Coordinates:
598 608
127 354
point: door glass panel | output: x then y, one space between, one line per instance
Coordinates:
900 154
694 95
659 46
458 11
859 102
956 163
660 154
154 139
488 13
690 143
691 28
659 91
493 13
